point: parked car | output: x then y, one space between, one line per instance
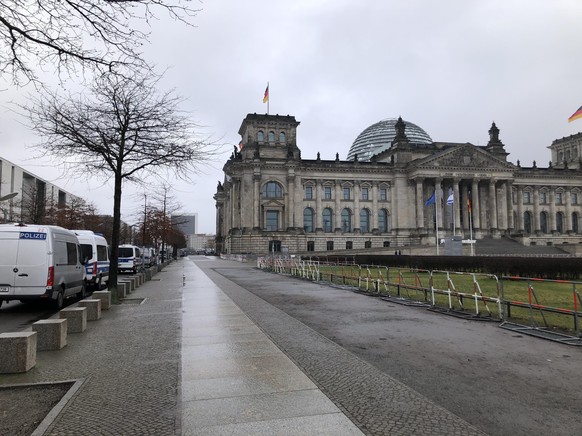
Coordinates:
95 251
129 258
40 263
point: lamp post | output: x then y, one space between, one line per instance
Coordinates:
7 197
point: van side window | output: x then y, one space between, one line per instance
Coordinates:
60 253
71 254
86 251
101 252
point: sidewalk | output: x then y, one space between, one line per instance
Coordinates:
235 381
192 353
128 365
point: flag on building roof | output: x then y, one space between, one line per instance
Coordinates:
576 115
266 97
431 200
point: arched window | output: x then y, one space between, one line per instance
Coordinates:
308 220
383 220
272 190
282 137
260 136
560 222
544 222
327 220
527 222
364 221
346 220
575 222
271 136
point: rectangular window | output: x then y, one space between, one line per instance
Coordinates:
329 245
272 220
71 253
274 246
365 194
558 198
543 199
327 192
349 245
310 245
527 197
346 193
383 194
308 192
574 198
386 244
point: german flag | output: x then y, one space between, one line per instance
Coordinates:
576 115
266 97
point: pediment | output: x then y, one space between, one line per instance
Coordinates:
273 203
466 156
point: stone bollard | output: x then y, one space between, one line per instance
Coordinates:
93 308
18 351
51 334
104 297
76 319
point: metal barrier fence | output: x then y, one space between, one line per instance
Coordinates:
513 301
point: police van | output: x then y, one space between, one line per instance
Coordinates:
40 263
129 258
95 250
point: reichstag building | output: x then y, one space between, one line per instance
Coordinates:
396 188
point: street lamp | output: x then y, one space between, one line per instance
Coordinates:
7 197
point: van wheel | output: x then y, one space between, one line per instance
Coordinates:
83 292
60 301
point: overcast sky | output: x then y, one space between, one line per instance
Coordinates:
452 67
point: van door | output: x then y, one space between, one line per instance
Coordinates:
31 269
8 256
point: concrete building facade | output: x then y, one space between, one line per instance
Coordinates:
397 188
35 195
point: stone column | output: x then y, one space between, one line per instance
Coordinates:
463 205
338 212
520 223
290 201
356 203
552 222
493 204
419 203
536 210
475 206
509 204
256 201
456 204
318 205
568 223
438 203
375 206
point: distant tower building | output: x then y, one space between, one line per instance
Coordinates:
188 224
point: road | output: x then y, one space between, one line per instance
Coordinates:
501 382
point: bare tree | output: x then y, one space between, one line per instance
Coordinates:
71 34
125 129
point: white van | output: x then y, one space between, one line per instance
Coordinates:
129 258
150 257
39 263
95 253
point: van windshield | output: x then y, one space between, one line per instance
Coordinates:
125 252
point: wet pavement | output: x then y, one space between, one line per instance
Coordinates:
217 347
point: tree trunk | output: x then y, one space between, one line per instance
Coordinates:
113 267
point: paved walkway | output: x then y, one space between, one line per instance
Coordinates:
192 353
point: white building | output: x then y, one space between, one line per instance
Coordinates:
34 195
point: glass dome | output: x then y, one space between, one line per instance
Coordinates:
378 137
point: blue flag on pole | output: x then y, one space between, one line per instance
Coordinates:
451 199
431 200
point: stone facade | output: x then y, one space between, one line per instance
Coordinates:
272 200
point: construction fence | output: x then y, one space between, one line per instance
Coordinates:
546 308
